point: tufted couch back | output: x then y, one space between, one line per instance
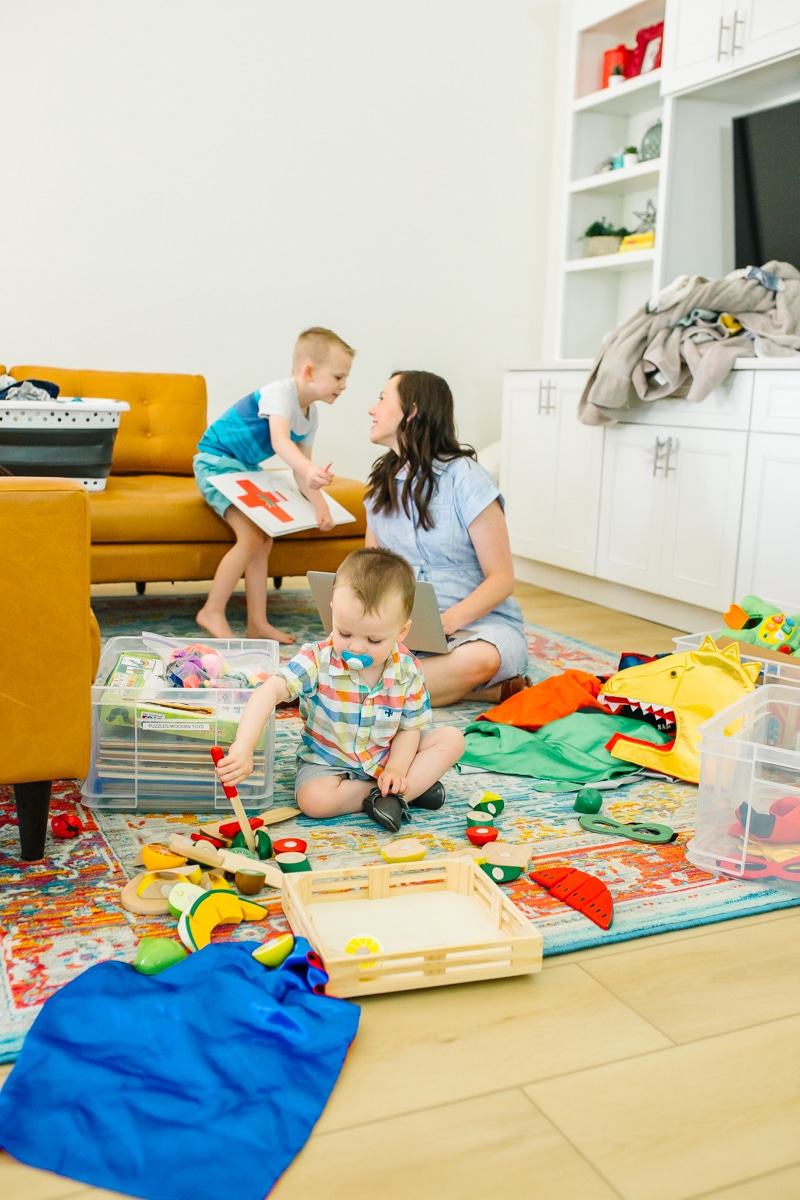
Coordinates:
167 416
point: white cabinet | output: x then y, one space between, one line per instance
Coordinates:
670 510
769 563
550 472
776 401
704 41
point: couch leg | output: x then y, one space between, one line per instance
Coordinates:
140 588
277 581
33 809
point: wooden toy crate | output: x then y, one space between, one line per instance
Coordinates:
435 923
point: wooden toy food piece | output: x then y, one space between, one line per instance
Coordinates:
505 861
270 817
66 825
249 882
158 857
362 945
156 954
408 849
479 835
293 861
224 860
263 843
229 829
585 893
182 896
289 846
489 802
144 894
588 800
217 843
212 909
476 817
272 954
476 854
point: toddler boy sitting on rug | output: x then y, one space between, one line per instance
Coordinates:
368 743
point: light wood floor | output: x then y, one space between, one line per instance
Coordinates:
658 1069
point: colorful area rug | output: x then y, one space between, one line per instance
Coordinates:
61 915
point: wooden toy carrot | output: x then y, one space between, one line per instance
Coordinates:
218 753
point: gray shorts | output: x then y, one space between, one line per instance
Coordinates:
205 465
306 771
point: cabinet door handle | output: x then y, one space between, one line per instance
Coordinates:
660 446
541 388
737 21
551 387
722 28
672 444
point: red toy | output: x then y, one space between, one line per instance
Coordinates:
66 825
479 835
585 893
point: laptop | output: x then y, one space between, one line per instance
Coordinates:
426 635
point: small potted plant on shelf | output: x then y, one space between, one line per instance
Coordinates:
603 238
630 156
616 77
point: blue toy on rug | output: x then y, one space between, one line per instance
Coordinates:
202 1081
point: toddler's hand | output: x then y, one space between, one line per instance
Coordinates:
392 781
236 765
317 477
324 519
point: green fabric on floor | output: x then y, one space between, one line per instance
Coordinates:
572 748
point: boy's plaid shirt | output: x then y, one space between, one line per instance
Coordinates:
346 723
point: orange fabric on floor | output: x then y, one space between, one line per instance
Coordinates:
556 697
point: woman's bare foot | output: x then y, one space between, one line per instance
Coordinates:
271 631
214 623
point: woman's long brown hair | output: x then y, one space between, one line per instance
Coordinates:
427 433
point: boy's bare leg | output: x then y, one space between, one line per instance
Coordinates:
249 538
438 751
255 587
332 796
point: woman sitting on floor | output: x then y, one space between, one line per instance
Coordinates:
430 500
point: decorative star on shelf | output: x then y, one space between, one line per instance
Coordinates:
647 218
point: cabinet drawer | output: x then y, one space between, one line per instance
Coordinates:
728 407
776 401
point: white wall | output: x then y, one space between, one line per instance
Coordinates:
188 183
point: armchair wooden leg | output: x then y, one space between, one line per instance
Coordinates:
277 582
140 588
33 809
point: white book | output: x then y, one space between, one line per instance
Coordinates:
273 501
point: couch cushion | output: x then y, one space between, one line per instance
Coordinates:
167 416
169 508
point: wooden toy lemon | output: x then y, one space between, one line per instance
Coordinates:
363 944
273 953
408 849
158 857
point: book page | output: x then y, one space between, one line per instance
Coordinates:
273 501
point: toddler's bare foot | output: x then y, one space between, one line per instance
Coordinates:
214 623
271 631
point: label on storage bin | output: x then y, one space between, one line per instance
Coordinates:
159 721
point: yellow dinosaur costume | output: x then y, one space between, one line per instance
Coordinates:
680 690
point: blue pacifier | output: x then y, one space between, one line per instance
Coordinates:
357 662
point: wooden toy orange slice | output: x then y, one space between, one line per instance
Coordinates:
158 857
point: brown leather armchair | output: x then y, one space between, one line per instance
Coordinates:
51 645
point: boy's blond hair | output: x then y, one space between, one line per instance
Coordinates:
374 574
315 344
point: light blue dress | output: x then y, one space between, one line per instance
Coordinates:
445 555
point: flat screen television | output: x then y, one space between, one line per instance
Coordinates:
766 186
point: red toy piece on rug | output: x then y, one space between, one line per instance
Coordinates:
581 891
66 825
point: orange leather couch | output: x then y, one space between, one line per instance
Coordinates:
51 645
151 523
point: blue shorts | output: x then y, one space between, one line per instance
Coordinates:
205 465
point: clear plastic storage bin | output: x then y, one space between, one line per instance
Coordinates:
750 756
151 741
772 671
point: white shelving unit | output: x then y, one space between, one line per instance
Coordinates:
597 294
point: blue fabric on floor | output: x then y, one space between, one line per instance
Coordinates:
201 1082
